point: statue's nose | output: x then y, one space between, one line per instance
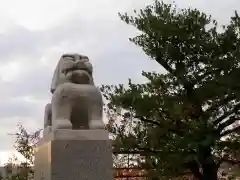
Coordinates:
81 58
80 64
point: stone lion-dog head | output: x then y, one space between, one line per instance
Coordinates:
74 68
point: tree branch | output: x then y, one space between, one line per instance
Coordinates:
230 131
141 151
173 130
193 166
220 119
230 161
225 115
148 120
165 65
228 122
222 101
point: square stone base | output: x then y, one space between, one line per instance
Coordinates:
86 156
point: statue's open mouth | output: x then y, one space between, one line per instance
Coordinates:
72 69
78 75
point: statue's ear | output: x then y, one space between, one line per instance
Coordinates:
55 79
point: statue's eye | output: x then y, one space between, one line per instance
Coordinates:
84 57
69 58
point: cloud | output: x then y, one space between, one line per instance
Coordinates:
36 33
30 51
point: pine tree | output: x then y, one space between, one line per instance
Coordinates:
184 119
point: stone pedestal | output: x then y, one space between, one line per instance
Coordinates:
74 155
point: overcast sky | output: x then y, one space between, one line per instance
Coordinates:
35 33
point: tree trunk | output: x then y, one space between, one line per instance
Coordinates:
209 169
193 166
208 164
210 172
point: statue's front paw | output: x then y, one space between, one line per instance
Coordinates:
63 124
96 124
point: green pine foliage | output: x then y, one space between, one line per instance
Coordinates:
184 119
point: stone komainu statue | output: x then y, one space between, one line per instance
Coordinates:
76 101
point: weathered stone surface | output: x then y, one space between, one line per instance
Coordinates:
66 134
75 145
76 101
43 164
85 158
